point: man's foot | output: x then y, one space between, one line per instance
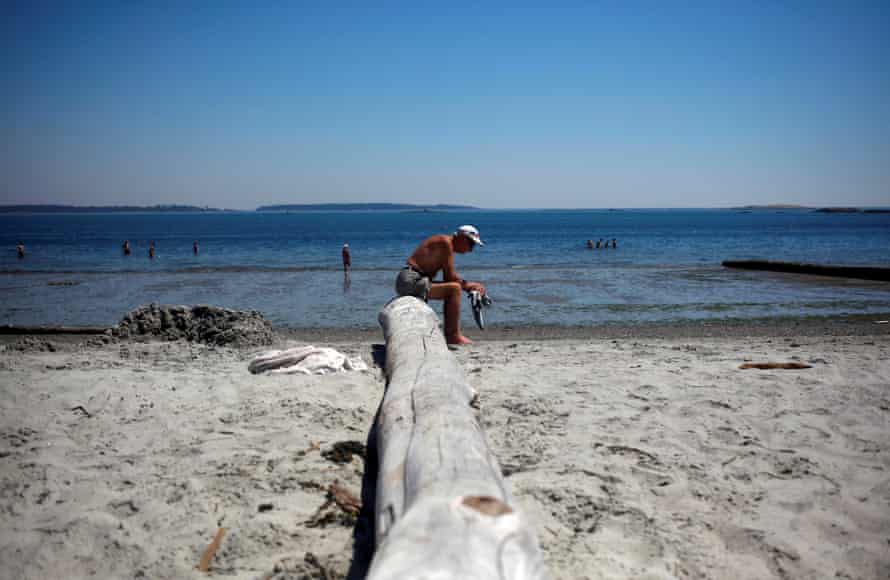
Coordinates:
458 339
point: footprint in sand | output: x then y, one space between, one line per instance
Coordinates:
641 464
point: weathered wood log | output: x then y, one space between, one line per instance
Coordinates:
860 272
442 508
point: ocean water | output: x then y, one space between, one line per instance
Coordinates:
535 264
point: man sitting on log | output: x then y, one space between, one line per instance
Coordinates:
437 253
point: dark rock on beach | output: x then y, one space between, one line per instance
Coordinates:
207 324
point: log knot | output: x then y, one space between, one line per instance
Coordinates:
485 504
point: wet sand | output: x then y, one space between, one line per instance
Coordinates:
848 325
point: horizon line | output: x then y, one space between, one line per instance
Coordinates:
398 206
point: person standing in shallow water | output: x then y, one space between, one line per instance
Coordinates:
126 247
151 251
347 259
195 248
437 253
20 250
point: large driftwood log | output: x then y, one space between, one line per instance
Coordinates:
442 507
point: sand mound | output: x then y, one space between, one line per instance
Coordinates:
207 324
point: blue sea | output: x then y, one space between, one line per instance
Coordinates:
667 266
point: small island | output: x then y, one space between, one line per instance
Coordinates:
852 210
300 207
772 206
788 206
838 210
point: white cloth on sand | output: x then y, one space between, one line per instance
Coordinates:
308 360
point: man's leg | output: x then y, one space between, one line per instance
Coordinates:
450 293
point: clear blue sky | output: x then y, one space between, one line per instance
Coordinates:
513 104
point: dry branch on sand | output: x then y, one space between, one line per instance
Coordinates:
775 365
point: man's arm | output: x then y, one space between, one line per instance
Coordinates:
449 274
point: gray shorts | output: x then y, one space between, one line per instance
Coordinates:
412 283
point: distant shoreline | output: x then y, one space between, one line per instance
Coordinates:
827 209
181 208
397 207
55 208
375 206
774 206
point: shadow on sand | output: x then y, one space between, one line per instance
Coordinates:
363 532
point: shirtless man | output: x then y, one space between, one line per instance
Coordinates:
437 253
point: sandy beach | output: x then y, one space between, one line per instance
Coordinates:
637 452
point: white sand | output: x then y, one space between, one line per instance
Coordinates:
657 458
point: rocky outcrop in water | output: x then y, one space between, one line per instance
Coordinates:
207 324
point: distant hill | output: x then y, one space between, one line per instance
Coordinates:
104 208
838 210
851 210
815 210
773 206
361 207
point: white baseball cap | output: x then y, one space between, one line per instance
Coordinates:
471 232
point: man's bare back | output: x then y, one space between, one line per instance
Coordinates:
434 254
